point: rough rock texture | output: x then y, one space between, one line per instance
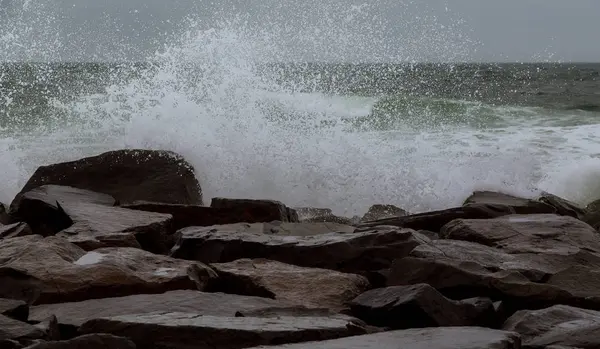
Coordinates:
127 175
520 205
190 330
354 253
323 215
49 326
376 212
558 325
88 341
539 233
74 314
263 210
563 207
296 285
429 338
15 309
51 270
90 220
11 329
435 220
14 230
402 307
4 216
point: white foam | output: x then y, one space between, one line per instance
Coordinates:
164 271
90 258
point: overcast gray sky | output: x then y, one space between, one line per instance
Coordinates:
350 30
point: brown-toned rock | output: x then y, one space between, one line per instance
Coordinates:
262 210
415 306
191 330
90 220
427 338
49 326
127 175
74 314
563 207
51 270
353 253
293 284
539 233
11 329
520 205
558 325
322 215
14 230
376 212
435 220
15 309
88 341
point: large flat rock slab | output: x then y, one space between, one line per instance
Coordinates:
415 306
293 284
435 220
520 205
558 325
535 233
89 219
74 314
372 249
127 175
89 341
190 330
430 338
266 210
11 329
52 270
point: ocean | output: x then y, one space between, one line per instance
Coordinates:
344 136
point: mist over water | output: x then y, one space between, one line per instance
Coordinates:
254 129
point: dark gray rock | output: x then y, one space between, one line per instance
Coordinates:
376 212
264 210
89 341
520 205
15 309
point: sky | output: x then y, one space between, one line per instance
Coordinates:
308 30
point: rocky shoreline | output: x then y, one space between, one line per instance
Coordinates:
119 250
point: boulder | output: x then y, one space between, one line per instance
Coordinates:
428 338
4 216
11 329
51 270
191 330
90 220
49 326
127 175
73 314
376 212
293 284
14 309
263 210
563 207
535 233
353 253
435 220
196 215
558 325
322 215
415 306
88 341
520 205
14 230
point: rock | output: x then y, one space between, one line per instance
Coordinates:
74 314
563 207
127 175
262 210
539 233
4 216
195 215
592 215
435 220
295 285
51 270
558 325
520 205
190 330
309 212
88 341
353 253
90 220
14 230
322 215
11 329
383 211
415 306
50 328
15 309
428 338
